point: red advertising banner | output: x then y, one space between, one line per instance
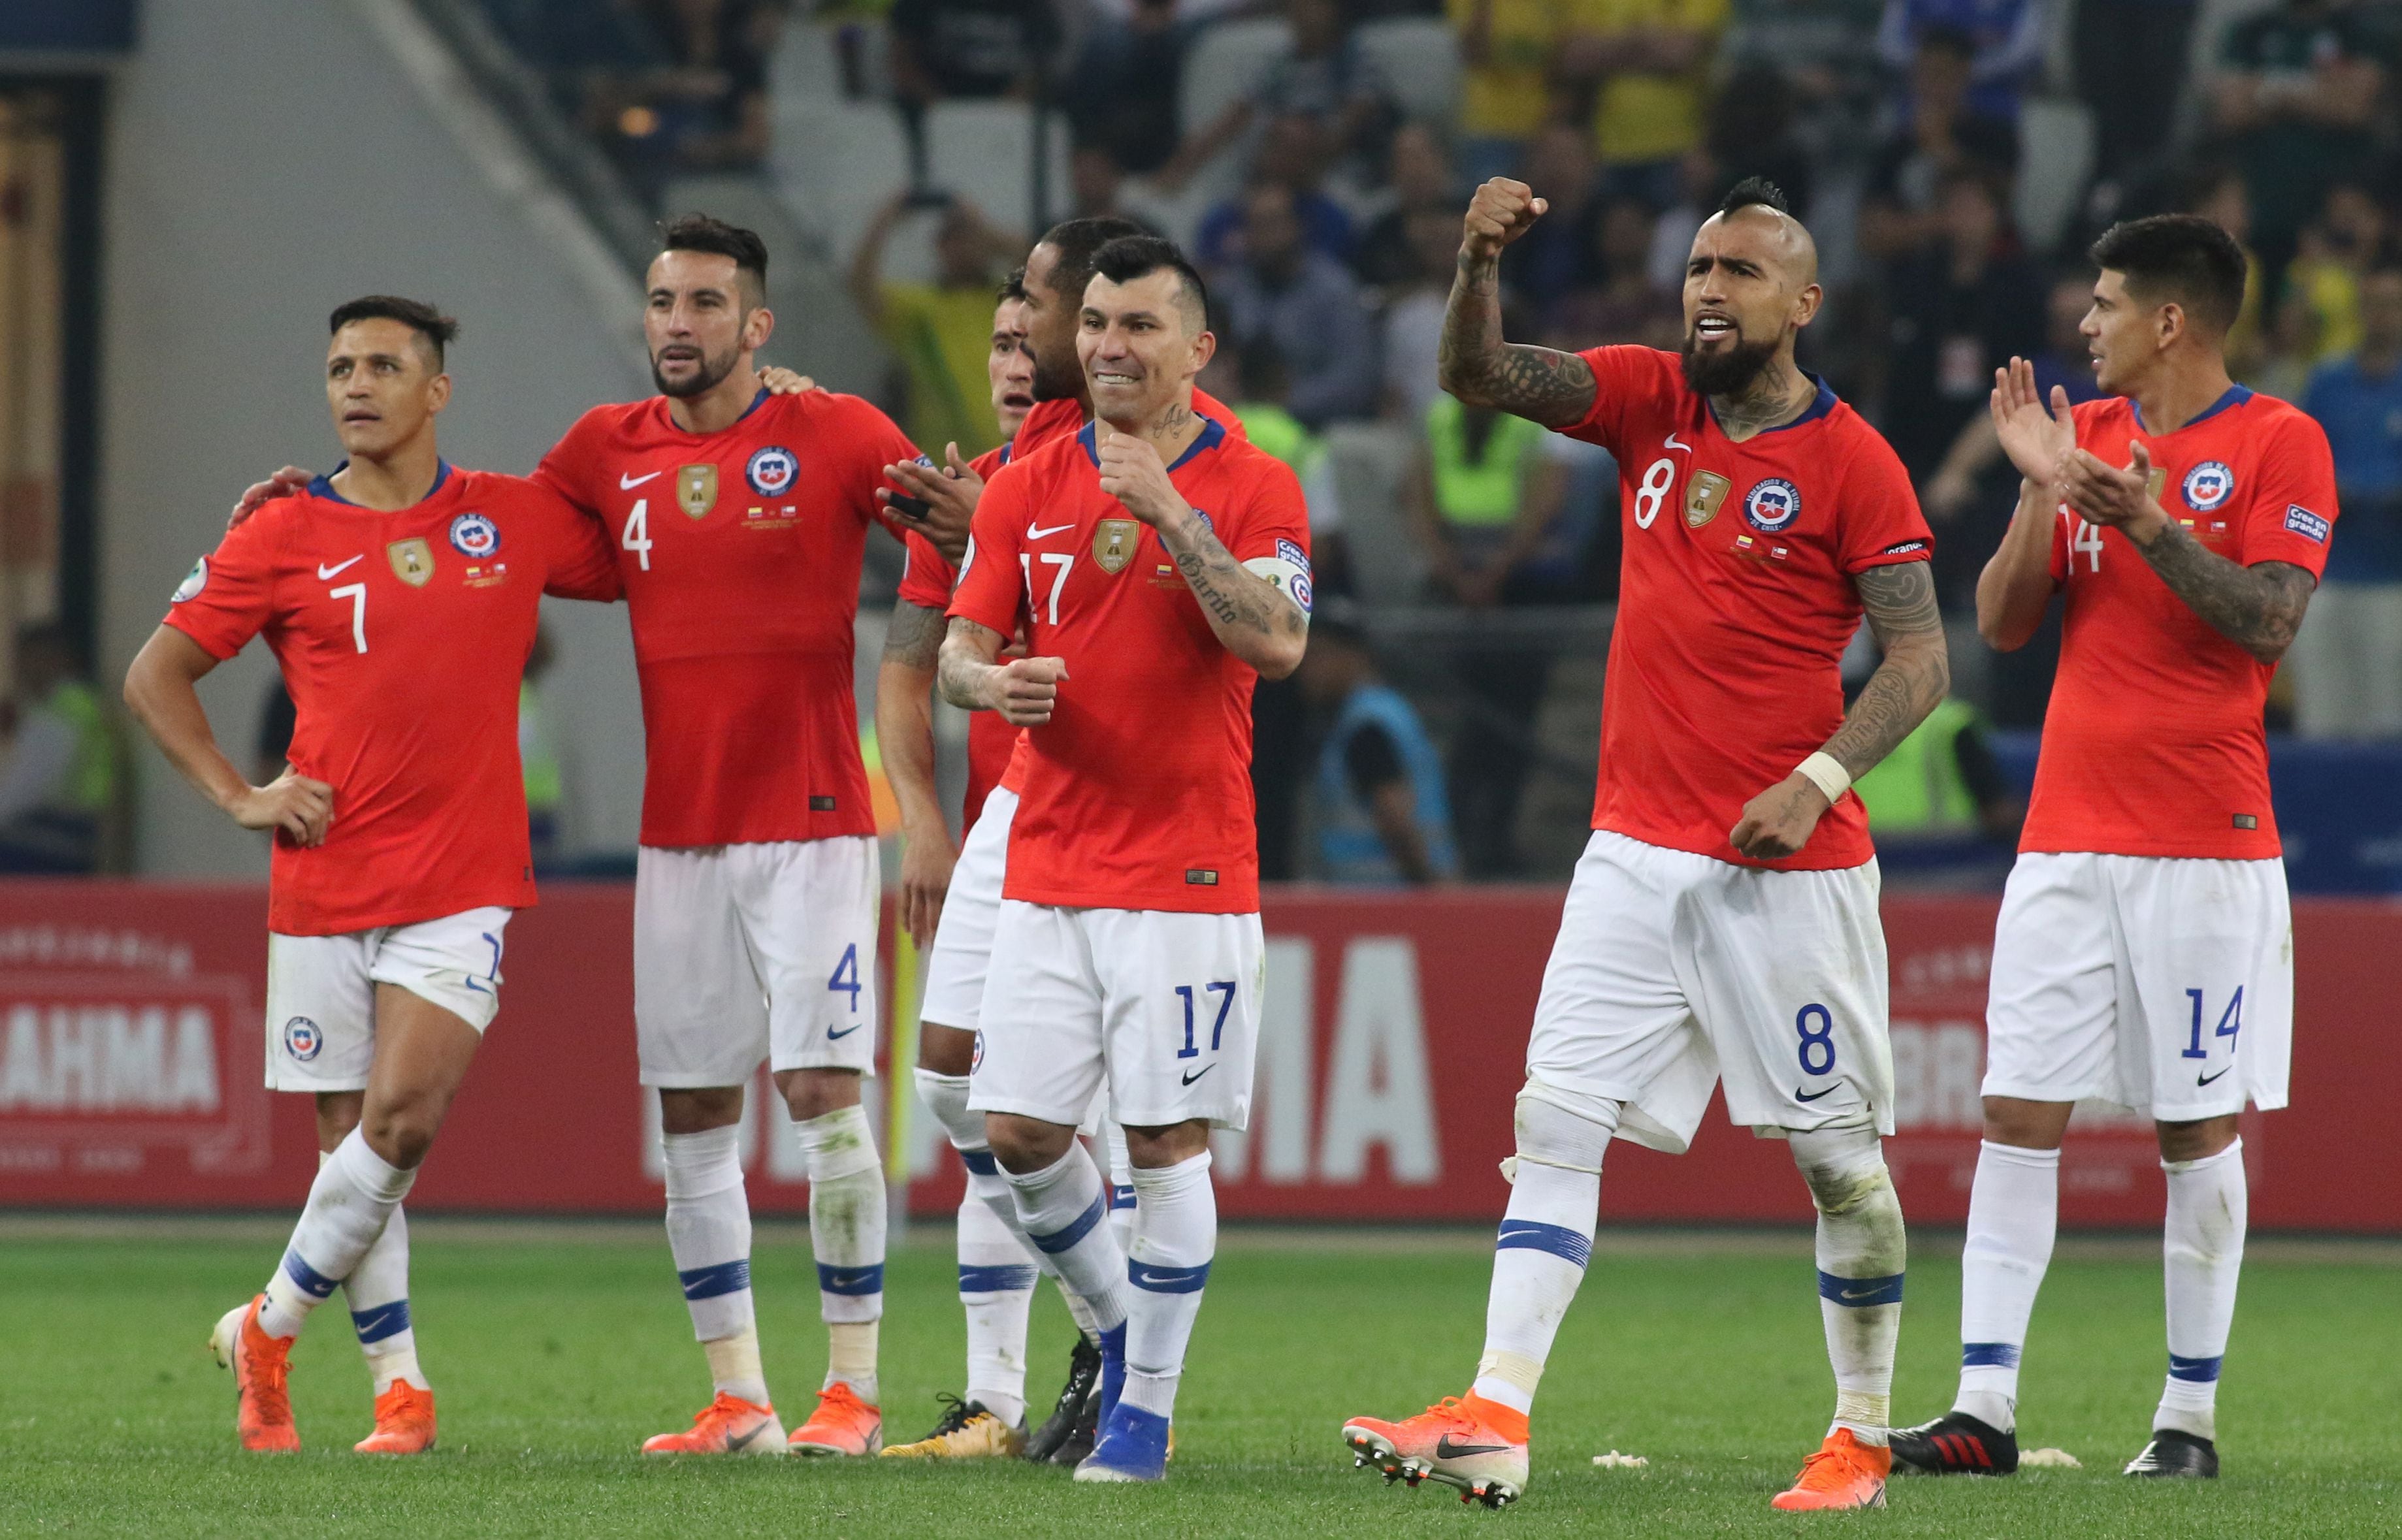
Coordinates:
132 1029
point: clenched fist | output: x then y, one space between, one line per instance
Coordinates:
1132 473
1500 212
1024 690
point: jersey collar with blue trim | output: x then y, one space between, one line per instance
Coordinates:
1820 405
2236 395
323 486
1213 433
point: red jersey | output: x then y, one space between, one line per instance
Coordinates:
740 552
926 582
2153 743
1735 603
1138 792
402 637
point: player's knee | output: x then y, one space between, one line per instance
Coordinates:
814 1092
945 1049
1026 1145
2025 1125
1567 1129
2198 1140
1156 1149
400 1131
1844 1166
698 1109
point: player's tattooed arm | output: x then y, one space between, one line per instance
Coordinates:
1912 678
914 637
1254 618
905 728
2256 608
1474 363
1022 689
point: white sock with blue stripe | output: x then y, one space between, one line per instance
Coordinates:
378 1292
2013 1215
2203 1256
1122 1187
1862 1251
846 1224
1167 1263
353 1195
709 1235
1546 1239
997 1292
1064 1212
946 1098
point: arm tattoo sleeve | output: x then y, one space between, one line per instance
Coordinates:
915 635
2256 608
1914 675
967 656
1233 598
1553 389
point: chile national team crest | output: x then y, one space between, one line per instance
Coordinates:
303 1039
473 535
771 470
1772 505
2208 485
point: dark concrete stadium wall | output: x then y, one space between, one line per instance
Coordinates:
266 161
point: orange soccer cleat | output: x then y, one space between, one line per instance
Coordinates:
404 1421
1469 1442
1843 1474
842 1424
727 1425
262 1366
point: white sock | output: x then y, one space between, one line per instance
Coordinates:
378 1292
2202 1254
1121 1184
997 1292
353 1195
1175 1238
2013 1214
1061 1208
847 1222
946 1098
1546 1238
1862 1252
708 1235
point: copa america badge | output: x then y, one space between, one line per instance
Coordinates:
303 1039
2208 485
771 470
1772 505
473 535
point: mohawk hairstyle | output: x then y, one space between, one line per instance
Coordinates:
1751 190
434 329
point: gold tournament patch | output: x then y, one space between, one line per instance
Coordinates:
2158 484
1703 496
696 489
1114 543
412 561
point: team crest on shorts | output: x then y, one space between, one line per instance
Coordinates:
1114 543
194 581
1772 505
412 561
975 1060
696 490
771 470
473 535
2208 485
1704 495
303 1039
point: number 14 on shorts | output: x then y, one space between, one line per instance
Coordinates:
2230 1023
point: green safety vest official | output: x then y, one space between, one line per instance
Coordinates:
1478 492
1918 788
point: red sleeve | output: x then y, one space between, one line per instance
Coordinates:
927 580
989 591
1274 521
2058 547
562 470
583 562
1879 522
2292 516
1622 377
875 441
230 595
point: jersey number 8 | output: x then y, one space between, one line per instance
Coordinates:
1652 491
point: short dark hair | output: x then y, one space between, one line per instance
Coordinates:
2178 256
1751 190
1078 242
700 232
1013 288
1132 256
434 328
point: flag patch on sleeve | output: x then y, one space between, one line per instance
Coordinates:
2308 525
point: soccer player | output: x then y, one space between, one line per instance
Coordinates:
2144 954
1722 922
400 597
1159 566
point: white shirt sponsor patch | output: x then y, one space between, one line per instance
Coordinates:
2305 524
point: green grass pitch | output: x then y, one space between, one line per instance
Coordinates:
554 1350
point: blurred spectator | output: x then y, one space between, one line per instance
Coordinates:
1482 499
59 768
2297 91
1327 78
1413 317
1307 305
1944 132
1698 190
1096 181
1646 65
546 787
1509 50
1959 312
1544 264
1827 50
2131 69
2006 39
1417 176
1123 92
2324 278
1293 155
940 332
1942 785
2348 655
2216 193
1623 306
1379 808
699 103
972 48
1750 133
1974 464
1254 381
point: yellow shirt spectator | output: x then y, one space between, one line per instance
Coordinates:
1508 46
1644 112
942 337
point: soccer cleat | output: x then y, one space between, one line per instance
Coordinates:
1083 1382
965 1431
1843 1474
1454 1441
727 1425
404 1421
842 1424
1074 1447
2172 1452
1954 1444
262 1366
1133 1447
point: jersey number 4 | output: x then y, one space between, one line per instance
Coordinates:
2085 539
637 536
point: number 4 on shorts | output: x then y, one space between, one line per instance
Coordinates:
845 976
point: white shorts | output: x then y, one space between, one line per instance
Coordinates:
1161 1009
320 991
1673 969
745 952
962 950
2162 984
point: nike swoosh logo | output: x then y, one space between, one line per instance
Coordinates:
626 483
1035 532
1670 443
1192 1075
325 571
1802 1095
2206 1080
746 1440
1850 1294
846 1032
1445 1450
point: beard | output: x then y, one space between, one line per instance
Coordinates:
1058 375
711 374
1729 373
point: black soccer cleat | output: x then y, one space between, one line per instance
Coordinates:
1954 1444
1084 1435
1082 1392
2174 1453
